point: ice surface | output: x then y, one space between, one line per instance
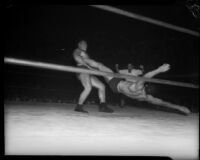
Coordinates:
56 129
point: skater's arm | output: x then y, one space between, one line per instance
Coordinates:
133 72
92 63
163 68
83 58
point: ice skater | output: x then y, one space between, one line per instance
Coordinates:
88 81
133 88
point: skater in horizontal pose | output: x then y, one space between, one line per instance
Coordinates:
88 81
133 88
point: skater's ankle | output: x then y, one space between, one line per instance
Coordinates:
81 105
103 104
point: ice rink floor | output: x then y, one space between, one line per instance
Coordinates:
56 129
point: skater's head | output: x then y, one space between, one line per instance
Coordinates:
137 71
82 45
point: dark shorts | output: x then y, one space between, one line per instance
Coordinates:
113 84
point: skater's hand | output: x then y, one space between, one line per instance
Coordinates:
165 67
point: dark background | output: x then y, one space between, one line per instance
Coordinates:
50 33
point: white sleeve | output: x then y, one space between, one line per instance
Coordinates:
123 71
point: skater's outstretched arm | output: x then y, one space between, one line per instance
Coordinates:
92 63
163 68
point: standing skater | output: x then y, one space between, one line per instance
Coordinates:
88 81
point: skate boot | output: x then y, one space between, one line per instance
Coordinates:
103 108
79 108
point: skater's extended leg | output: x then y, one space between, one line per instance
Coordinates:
158 101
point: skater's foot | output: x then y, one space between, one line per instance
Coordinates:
79 108
185 111
103 108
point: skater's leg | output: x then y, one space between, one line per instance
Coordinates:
158 101
86 83
101 92
95 82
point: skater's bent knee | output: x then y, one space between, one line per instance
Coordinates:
87 89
